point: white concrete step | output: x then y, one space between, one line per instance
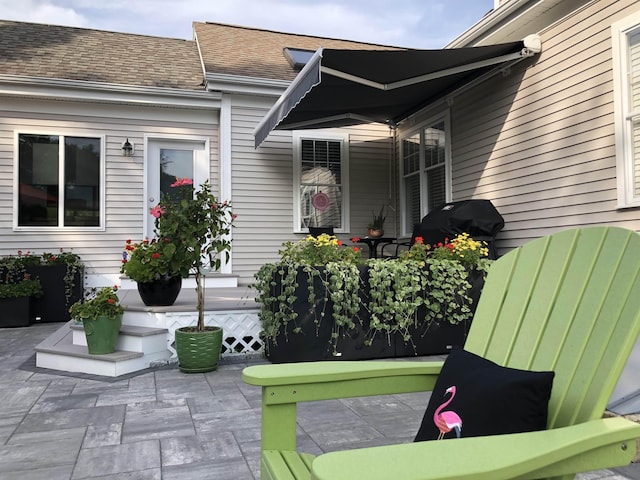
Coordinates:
131 338
58 352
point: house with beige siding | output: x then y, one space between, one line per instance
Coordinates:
71 98
551 140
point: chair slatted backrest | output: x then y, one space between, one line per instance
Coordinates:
569 302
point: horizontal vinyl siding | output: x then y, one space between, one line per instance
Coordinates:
262 184
539 142
125 206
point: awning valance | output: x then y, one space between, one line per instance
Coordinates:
349 87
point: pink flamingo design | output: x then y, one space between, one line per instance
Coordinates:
447 421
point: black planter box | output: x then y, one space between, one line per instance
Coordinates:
53 306
16 312
313 341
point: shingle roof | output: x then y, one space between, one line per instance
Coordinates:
52 51
234 50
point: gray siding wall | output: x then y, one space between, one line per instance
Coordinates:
100 250
539 142
262 182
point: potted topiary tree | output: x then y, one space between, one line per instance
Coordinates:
199 226
101 316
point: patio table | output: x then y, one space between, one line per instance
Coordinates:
373 242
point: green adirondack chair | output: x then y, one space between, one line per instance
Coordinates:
569 302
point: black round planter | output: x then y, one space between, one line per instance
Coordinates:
160 293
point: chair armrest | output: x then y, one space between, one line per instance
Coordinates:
286 385
325 372
592 445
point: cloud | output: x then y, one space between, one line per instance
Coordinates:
41 12
410 23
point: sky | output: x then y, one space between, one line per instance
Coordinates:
405 23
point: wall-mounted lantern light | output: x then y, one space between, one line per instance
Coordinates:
127 148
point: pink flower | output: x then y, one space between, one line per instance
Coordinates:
157 211
419 240
234 216
181 181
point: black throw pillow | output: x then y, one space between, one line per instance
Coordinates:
474 396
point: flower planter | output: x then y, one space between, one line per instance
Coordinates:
162 292
307 340
16 312
57 297
102 333
198 352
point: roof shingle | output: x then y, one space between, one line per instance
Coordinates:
52 51
251 52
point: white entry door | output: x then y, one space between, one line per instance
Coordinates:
168 160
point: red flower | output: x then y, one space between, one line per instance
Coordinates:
128 241
355 239
155 255
145 241
124 260
339 243
440 245
419 240
110 300
356 249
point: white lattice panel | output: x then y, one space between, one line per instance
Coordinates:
240 328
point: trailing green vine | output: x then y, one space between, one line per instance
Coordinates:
402 297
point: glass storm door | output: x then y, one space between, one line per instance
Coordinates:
167 161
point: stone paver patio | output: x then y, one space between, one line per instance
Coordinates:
164 424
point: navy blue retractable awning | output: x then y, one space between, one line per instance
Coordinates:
349 87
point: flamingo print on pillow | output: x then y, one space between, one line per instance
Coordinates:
447 420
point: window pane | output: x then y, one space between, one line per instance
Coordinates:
38 185
412 200
320 184
320 206
434 145
174 164
411 154
321 153
436 190
81 182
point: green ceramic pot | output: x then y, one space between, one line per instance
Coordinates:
102 333
198 352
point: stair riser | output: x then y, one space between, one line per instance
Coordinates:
130 343
95 366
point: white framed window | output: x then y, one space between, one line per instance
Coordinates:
59 182
321 181
626 72
425 164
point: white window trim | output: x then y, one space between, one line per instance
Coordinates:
16 169
444 116
623 143
343 138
